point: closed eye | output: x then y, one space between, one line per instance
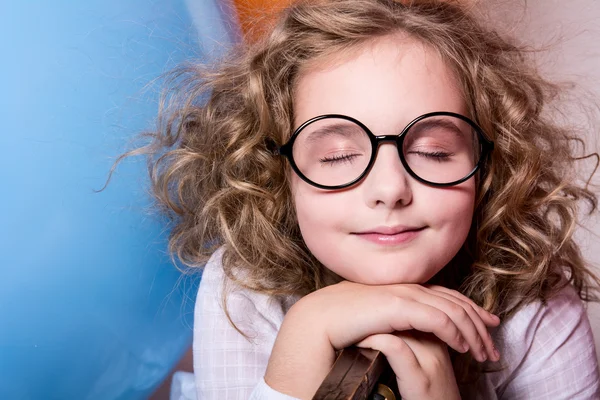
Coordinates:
338 159
436 155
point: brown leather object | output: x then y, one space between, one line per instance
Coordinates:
356 374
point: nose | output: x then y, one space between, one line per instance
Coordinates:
387 184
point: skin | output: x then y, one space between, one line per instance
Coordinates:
399 81
383 302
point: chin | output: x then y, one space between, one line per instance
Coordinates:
378 269
390 276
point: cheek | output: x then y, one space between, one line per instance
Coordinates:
320 214
313 209
453 212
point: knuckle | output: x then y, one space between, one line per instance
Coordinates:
396 302
423 384
378 341
444 321
435 364
458 337
397 346
459 312
468 307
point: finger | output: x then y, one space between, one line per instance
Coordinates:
467 321
460 318
471 309
426 318
401 358
489 318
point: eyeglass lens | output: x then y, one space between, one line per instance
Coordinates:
438 149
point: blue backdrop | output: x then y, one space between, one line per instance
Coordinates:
90 304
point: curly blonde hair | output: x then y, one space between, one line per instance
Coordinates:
212 169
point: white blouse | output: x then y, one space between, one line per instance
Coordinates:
549 349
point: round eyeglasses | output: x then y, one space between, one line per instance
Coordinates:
335 151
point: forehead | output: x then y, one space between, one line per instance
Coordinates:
384 83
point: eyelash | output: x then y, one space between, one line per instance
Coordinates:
339 159
438 155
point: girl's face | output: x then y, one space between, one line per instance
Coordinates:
355 232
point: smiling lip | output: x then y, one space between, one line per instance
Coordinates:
390 235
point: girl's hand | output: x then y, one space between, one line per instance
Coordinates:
351 312
421 363
340 315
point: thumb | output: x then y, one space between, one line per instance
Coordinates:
400 356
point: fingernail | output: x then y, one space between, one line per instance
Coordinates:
464 346
483 354
496 353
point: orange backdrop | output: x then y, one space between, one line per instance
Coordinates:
256 16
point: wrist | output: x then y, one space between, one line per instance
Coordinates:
301 357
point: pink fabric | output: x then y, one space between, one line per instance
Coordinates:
549 350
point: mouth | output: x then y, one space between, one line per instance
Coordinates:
390 235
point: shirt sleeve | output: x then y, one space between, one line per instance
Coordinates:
262 391
556 356
228 365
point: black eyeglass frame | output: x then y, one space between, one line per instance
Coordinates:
487 146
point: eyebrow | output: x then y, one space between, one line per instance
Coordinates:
436 122
340 128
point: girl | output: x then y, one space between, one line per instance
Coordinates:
385 175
